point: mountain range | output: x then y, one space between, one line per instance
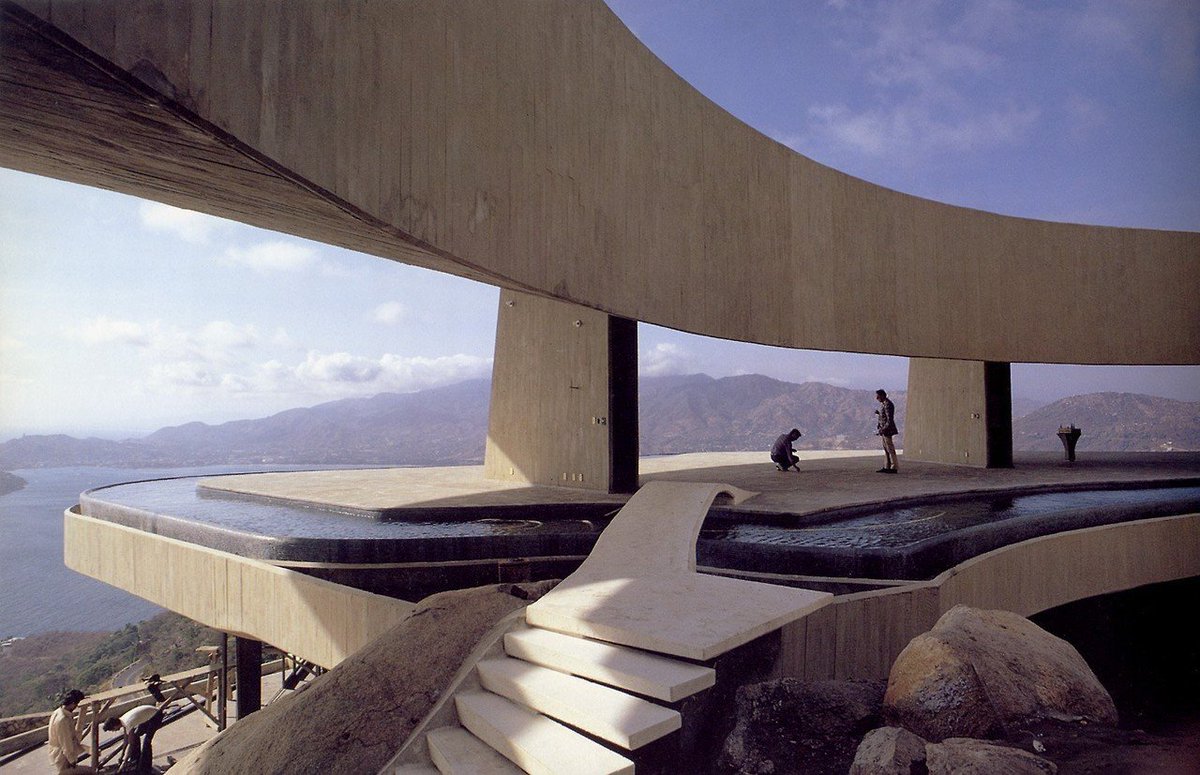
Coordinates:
693 413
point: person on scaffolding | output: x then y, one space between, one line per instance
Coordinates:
782 453
138 725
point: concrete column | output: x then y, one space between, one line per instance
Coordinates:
249 675
564 396
959 412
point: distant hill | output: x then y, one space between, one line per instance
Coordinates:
1113 422
440 426
694 413
698 413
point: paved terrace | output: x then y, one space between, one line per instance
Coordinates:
827 480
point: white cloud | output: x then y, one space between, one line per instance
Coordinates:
666 358
338 368
216 342
183 374
105 330
187 225
271 257
319 376
222 359
921 64
404 374
1161 35
390 313
913 129
836 381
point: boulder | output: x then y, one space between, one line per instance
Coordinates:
962 756
355 717
889 751
789 725
982 674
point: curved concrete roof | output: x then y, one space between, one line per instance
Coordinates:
541 146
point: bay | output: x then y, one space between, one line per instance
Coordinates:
38 593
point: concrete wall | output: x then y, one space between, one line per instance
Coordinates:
553 409
958 412
860 635
314 619
540 146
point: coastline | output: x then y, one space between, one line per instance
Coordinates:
10 483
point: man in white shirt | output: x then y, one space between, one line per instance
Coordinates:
63 736
139 725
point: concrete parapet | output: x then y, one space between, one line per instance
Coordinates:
317 620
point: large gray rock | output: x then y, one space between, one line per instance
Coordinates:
962 756
789 725
982 674
354 718
889 751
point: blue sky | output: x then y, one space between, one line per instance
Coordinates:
119 316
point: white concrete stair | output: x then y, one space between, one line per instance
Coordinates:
536 744
609 714
635 671
455 751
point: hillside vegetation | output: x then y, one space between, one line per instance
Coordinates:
34 670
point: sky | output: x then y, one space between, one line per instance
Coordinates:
119 316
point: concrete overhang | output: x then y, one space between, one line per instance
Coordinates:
541 147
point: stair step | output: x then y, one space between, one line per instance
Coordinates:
636 671
602 711
534 743
455 751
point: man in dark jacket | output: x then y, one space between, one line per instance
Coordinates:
886 429
782 453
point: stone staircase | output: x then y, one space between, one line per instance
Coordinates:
556 703
581 685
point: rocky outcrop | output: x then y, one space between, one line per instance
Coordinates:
896 751
889 751
789 725
961 756
981 674
354 718
978 678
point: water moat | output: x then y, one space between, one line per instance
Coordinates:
444 548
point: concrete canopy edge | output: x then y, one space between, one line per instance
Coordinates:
542 147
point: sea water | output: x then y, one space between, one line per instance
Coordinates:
38 593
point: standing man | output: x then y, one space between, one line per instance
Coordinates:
885 427
138 725
782 453
63 736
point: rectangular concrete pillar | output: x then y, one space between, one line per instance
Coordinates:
564 396
249 675
959 412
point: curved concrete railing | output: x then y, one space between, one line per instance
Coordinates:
540 146
859 635
315 619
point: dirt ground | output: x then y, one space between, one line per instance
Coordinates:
1172 748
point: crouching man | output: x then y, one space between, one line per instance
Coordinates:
138 725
